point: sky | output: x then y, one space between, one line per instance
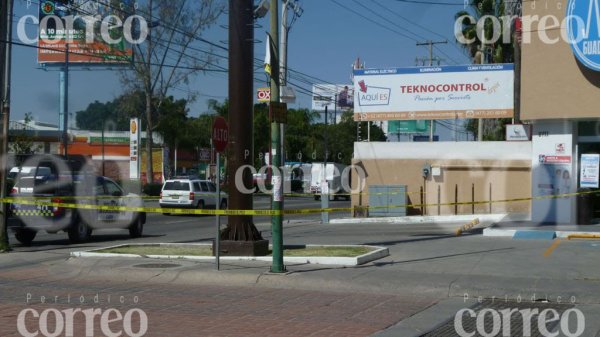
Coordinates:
323 43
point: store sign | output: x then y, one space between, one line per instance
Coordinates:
473 91
590 167
583 30
518 132
263 95
134 148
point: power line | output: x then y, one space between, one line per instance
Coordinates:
441 3
373 21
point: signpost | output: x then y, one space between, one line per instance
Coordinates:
220 138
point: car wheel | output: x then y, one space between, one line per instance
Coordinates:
200 205
223 204
79 232
137 227
317 197
25 236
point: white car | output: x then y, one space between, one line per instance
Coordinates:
26 219
190 193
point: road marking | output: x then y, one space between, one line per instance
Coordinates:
551 248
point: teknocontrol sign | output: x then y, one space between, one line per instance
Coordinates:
474 91
583 29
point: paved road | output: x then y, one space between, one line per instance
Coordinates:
426 264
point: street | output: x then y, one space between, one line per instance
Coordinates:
427 267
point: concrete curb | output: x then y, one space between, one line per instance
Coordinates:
434 219
510 232
377 253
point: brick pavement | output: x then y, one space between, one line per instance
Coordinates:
179 310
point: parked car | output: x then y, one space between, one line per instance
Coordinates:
190 193
25 171
26 220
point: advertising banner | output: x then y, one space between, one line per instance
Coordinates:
332 96
449 92
94 31
590 167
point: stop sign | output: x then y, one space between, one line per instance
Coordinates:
220 134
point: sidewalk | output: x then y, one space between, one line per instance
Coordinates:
422 270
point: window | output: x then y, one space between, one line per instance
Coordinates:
99 188
113 188
212 187
177 186
204 186
197 187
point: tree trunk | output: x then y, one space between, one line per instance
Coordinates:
241 76
149 126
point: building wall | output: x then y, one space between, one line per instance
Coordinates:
546 68
465 166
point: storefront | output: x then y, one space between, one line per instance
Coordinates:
560 97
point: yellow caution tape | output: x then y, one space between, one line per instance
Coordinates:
37 202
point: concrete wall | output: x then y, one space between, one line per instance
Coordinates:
505 166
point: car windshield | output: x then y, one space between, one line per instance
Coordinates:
177 186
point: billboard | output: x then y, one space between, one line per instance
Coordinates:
94 30
409 126
332 96
473 91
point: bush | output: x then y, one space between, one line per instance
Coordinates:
153 189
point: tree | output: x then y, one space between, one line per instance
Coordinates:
23 144
499 52
167 58
97 115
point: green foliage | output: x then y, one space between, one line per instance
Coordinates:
502 52
22 144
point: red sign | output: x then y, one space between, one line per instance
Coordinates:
263 95
555 159
220 134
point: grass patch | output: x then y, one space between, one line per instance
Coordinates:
160 250
340 251
337 251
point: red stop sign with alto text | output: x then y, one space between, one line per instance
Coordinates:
220 134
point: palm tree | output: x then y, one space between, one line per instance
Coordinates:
502 52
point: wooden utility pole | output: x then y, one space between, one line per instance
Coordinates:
6 14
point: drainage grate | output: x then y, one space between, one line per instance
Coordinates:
469 323
157 265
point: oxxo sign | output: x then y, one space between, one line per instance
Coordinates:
220 134
263 95
583 29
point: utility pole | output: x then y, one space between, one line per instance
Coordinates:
277 265
64 82
517 56
431 43
6 14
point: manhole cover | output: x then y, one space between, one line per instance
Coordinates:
157 265
490 311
